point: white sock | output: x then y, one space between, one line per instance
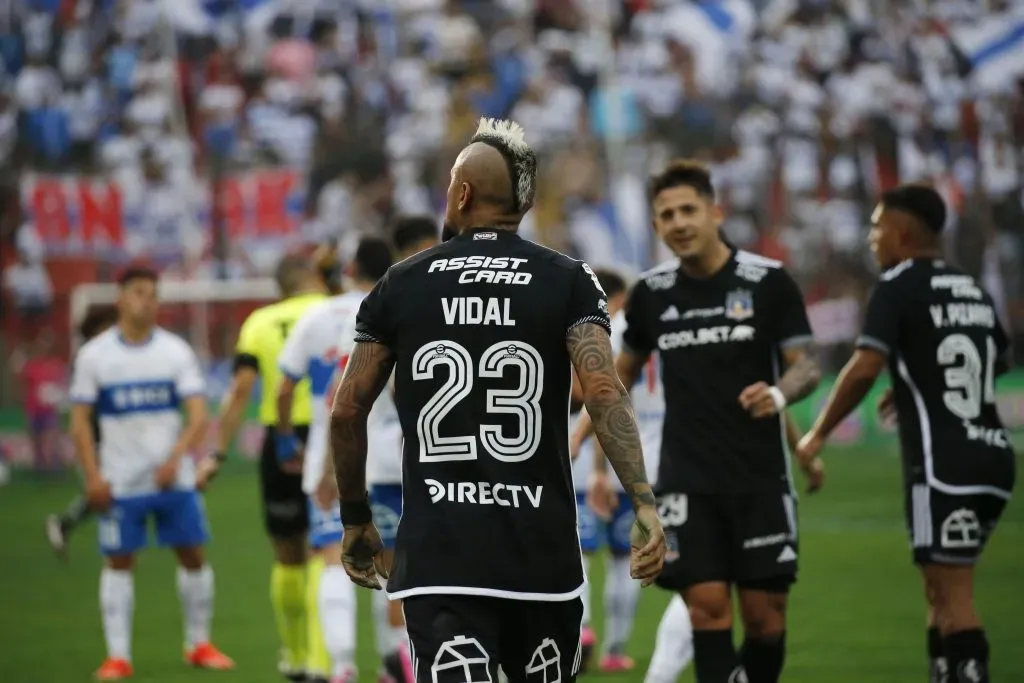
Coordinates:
195 590
380 623
338 617
673 648
117 602
620 596
585 597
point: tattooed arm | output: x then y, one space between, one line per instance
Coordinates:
628 366
366 374
800 379
802 374
609 408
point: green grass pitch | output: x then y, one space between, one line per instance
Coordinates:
856 614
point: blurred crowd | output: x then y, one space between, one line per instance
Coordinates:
804 109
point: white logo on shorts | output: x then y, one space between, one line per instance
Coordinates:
961 530
738 675
971 670
546 663
672 509
787 555
466 653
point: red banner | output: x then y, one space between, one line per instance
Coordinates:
83 216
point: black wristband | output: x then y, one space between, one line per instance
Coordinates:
220 456
356 514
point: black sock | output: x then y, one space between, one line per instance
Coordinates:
714 656
967 655
763 658
77 510
938 667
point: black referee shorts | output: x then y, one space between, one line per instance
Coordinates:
285 513
463 639
745 539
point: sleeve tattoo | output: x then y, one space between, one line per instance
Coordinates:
802 374
366 375
610 409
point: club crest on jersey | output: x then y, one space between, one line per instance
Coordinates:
739 305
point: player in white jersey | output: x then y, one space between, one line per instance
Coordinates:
312 350
603 508
411 235
137 377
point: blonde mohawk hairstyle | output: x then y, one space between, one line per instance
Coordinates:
509 138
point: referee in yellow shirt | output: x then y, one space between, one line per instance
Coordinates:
284 504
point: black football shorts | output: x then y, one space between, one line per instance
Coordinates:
744 539
285 512
464 639
948 528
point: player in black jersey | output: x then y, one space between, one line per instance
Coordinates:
734 342
939 333
482 332
59 527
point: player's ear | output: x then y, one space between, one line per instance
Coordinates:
465 196
716 214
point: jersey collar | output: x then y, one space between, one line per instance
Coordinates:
470 233
728 267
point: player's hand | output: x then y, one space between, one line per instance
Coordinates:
97 492
362 555
326 494
814 471
167 474
207 470
647 546
808 451
600 497
757 400
887 407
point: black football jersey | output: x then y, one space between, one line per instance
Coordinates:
717 336
482 386
942 337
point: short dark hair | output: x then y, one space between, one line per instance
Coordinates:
97 319
136 271
612 283
682 173
920 201
291 272
409 230
373 258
